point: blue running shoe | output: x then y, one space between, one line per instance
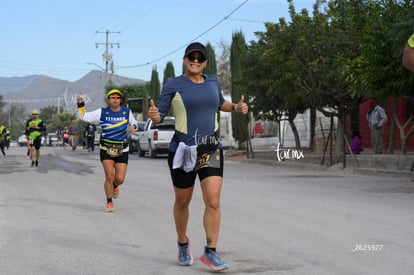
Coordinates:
213 260
184 254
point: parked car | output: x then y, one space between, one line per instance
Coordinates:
133 137
13 143
156 137
51 140
22 140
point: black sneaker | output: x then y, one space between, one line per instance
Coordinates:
37 163
32 163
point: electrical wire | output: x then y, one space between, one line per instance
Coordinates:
246 20
148 9
182 46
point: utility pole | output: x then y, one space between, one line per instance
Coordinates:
107 56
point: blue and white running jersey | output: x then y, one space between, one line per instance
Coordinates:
114 124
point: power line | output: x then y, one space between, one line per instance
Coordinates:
246 20
138 13
181 47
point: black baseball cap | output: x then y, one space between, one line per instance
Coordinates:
196 47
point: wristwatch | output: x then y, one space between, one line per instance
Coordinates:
410 41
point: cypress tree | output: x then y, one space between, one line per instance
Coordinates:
211 67
168 71
240 122
155 85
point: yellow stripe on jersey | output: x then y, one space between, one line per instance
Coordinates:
180 113
111 126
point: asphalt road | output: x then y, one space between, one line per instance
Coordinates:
275 220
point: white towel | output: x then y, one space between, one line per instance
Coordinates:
185 157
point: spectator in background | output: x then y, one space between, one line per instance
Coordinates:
59 134
376 117
65 137
90 130
356 146
73 134
258 129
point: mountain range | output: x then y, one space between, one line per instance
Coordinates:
39 91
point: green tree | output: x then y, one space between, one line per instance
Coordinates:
271 74
134 96
168 71
145 102
237 54
59 121
300 64
155 85
378 70
155 89
211 67
16 119
2 115
342 28
48 112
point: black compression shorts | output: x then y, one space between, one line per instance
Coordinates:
122 158
182 179
37 142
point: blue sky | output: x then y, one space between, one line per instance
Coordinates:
58 38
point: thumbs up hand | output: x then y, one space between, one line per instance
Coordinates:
241 106
153 112
80 97
80 101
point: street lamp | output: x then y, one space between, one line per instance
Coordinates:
90 63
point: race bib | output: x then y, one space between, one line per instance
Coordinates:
114 150
208 159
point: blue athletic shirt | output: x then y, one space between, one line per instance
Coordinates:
194 106
114 124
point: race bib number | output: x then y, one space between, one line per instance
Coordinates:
208 159
114 150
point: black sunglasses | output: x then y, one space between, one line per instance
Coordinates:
200 58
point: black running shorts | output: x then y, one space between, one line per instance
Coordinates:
122 158
182 179
37 142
